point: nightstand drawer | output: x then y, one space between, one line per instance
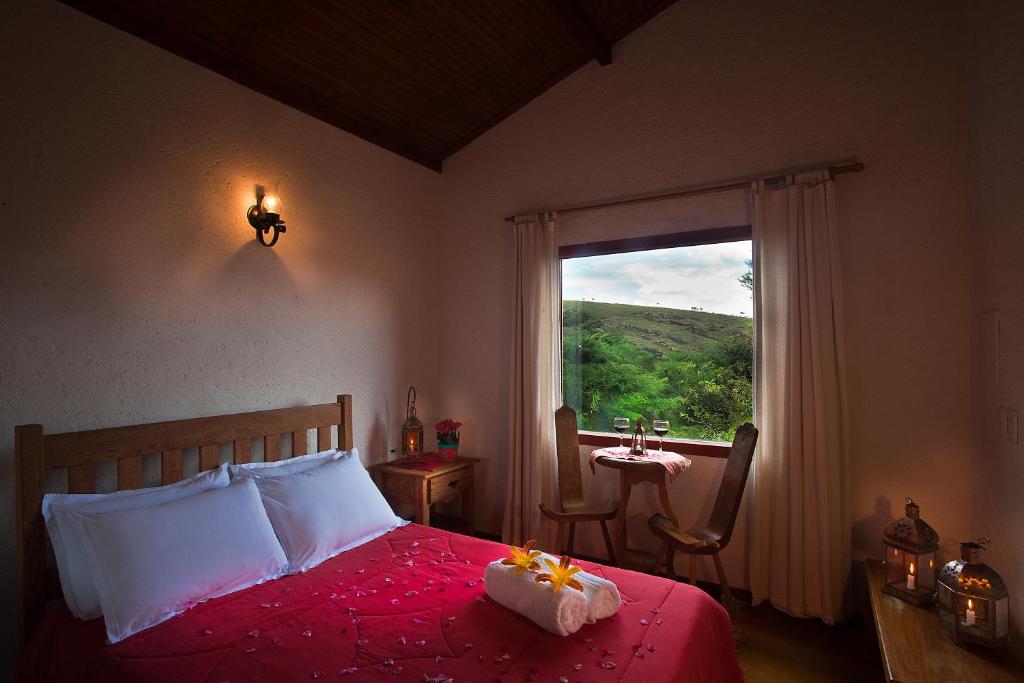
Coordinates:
400 489
447 486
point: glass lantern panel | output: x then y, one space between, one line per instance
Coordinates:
926 571
895 567
1002 617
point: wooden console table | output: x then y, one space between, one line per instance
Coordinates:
423 488
915 649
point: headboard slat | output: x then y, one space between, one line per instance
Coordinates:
129 473
323 439
345 426
82 478
300 443
209 457
240 453
98 445
271 447
171 469
37 453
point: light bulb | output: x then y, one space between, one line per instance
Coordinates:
271 204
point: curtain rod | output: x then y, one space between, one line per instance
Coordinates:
855 167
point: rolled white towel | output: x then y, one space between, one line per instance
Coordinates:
562 612
603 599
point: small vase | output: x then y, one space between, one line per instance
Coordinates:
448 451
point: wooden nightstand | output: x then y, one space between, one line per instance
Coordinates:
423 488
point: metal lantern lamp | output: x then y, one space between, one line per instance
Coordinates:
638 446
973 604
910 565
412 428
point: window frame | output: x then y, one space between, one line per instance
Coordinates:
691 238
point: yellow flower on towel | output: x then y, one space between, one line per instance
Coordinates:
560 575
525 559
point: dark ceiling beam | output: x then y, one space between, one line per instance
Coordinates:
582 25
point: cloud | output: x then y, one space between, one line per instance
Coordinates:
704 276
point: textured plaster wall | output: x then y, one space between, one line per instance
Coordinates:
997 205
711 91
131 286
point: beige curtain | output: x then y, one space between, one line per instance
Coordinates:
800 540
536 381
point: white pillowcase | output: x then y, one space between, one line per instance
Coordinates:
324 511
76 577
281 467
152 563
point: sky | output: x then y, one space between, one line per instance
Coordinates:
704 276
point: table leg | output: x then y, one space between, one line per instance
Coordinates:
666 506
422 503
625 488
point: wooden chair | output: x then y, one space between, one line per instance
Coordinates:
715 536
570 487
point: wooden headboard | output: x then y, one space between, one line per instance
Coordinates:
77 454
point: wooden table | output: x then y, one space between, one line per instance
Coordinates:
631 473
915 649
423 488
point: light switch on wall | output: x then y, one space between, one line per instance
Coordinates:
1009 425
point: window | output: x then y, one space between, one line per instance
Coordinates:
660 328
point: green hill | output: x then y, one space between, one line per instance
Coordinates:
653 328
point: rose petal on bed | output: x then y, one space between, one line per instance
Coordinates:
659 621
347 671
577 667
420 643
255 633
468 646
650 647
361 642
411 594
250 650
317 674
307 633
655 610
644 621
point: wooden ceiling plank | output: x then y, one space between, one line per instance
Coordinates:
246 76
583 27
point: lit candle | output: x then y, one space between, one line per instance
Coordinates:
911 579
971 616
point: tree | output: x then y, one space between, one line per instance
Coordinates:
747 279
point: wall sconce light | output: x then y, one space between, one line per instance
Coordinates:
264 216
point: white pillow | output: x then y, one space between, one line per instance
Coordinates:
76 578
324 511
153 563
281 467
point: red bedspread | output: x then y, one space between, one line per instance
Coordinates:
409 606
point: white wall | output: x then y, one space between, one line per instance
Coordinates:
131 286
710 91
997 204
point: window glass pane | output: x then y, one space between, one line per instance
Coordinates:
663 335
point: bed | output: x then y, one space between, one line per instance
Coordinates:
409 605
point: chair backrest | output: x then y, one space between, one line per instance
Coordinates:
737 467
570 474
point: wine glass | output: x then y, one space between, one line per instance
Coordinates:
621 425
661 429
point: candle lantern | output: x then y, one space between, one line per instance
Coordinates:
638 446
412 428
910 546
973 604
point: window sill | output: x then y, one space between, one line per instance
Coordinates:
706 449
